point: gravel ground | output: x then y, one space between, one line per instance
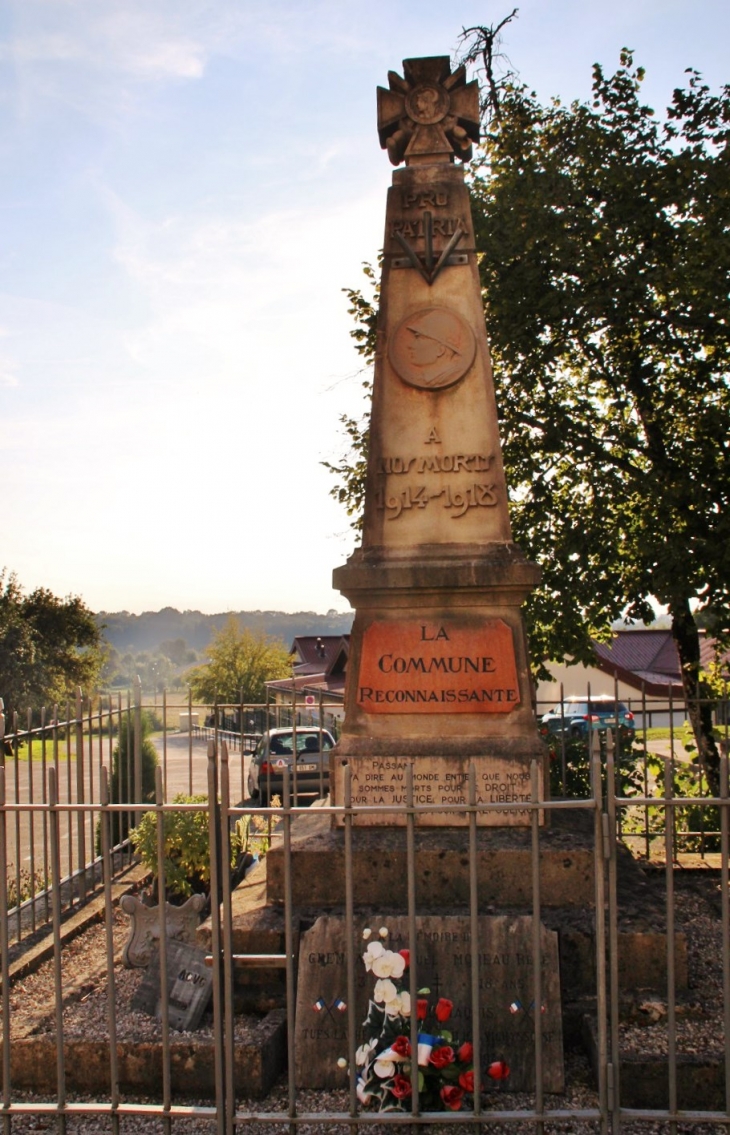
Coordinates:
699 1029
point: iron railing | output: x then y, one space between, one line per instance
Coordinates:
66 805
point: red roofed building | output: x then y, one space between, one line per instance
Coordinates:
319 663
638 658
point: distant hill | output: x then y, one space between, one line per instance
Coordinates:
128 632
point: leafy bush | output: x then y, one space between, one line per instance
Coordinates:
29 885
187 847
578 767
123 772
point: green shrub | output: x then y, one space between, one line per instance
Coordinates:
187 847
29 885
123 773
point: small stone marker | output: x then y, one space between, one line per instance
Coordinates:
189 987
181 924
506 1008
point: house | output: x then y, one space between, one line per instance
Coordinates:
319 664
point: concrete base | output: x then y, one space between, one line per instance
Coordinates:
257 1063
504 870
644 1079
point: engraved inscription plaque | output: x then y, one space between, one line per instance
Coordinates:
443 667
443 954
432 348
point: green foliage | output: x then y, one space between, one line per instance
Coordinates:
605 245
29 885
155 670
48 647
578 768
187 845
122 786
697 825
239 665
351 470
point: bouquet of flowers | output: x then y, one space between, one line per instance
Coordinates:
387 1065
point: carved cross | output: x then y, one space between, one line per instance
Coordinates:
429 115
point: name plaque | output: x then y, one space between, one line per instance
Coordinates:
438 667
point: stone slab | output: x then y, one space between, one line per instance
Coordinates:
443 958
257 1064
503 863
423 667
438 782
189 987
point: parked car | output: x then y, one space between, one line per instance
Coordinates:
578 717
274 753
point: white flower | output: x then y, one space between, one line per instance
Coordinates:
383 932
363 1096
374 950
388 964
384 991
366 933
400 1006
364 1051
384 1068
342 1063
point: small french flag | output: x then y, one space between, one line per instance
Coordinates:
319 1005
339 1004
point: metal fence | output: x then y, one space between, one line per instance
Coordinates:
66 806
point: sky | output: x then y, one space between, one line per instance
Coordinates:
188 186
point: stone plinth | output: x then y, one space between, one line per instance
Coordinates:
504 871
442 952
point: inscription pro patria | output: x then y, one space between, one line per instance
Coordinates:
437 672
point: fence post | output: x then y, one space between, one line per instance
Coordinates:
137 791
80 795
215 940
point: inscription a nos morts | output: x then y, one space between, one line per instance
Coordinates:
438 667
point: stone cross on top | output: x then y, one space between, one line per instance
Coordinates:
430 115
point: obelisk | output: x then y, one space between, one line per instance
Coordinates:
438 671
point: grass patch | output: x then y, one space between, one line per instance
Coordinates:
661 733
23 750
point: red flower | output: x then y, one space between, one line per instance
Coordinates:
401 1087
422 1008
442 1056
406 955
466 1079
466 1052
443 1009
452 1097
498 1070
402 1046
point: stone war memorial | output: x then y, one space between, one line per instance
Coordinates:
438 671
438 699
438 674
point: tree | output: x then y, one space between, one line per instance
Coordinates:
122 787
604 241
48 646
239 665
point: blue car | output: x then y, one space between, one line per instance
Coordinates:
578 717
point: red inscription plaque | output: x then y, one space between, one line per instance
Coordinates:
438 667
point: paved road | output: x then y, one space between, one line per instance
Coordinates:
185 766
